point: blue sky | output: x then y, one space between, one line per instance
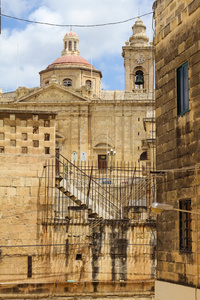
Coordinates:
26 48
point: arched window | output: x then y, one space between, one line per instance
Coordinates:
65 45
75 46
67 82
70 46
139 79
88 83
143 156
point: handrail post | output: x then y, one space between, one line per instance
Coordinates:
88 192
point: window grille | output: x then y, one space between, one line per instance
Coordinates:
185 231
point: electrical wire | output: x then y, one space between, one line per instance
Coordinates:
75 25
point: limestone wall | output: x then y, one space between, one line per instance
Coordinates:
177 36
22 188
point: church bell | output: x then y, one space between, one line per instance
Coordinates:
139 79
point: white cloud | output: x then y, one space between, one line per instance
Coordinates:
18 8
30 48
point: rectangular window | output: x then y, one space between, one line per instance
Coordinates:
182 89
185 231
1 149
47 150
24 137
24 150
35 144
29 273
47 137
35 129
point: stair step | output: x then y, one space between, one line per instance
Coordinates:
78 202
93 215
90 211
67 193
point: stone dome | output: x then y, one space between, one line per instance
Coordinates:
71 33
70 59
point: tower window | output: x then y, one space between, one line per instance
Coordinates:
70 46
65 45
67 82
75 47
139 79
88 83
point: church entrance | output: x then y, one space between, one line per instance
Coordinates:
102 162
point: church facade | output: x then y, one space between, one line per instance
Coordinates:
90 121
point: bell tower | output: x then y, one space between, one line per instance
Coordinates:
138 61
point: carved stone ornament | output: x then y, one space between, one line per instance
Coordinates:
139 59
